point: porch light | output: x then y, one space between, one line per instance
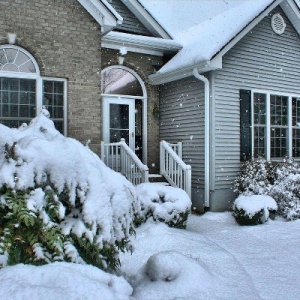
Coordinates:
122 53
121 59
11 38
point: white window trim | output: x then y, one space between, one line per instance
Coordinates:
39 83
290 96
144 100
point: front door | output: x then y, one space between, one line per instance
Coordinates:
119 120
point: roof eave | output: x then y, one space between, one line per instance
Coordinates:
247 29
202 67
291 9
103 13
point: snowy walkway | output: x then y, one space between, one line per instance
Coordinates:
229 261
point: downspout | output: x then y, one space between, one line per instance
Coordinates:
206 135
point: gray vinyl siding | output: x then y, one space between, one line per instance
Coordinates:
261 60
131 24
182 119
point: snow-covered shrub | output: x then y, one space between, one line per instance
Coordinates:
59 202
253 210
163 203
286 189
255 177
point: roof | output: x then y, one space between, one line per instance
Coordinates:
208 28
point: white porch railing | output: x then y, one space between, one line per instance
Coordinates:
120 158
173 168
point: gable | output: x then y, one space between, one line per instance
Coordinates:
131 24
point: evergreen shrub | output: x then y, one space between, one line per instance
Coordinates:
59 202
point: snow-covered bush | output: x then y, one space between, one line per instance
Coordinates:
286 189
255 177
59 202
163 203
253 210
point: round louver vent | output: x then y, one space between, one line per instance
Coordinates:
278 23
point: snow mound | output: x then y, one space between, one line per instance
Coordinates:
164 203
57 281
164 266
172 272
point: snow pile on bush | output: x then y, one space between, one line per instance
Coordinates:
253 210
163 203
59 201
57 281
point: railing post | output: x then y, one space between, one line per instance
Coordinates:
180 149
188 181
145 175
162 158
122 159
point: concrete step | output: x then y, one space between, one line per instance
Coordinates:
157 178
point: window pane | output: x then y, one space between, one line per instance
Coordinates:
119 116
259 114
259 142
279 110
296 142
260 108
11 55
121 82
2 57
278 142
296 112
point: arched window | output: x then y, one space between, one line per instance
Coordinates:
14 59
119 81
23 92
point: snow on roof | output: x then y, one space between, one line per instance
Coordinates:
202 27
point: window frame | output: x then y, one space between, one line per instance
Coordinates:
39 83
268 125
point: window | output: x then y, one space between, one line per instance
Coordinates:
23 92
276 130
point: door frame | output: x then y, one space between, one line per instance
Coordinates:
106 118
144 101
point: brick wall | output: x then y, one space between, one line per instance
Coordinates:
65 41
143 65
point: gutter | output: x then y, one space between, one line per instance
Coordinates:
140 44
206 135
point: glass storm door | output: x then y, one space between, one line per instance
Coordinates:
119 120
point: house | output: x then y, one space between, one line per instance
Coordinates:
223 81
